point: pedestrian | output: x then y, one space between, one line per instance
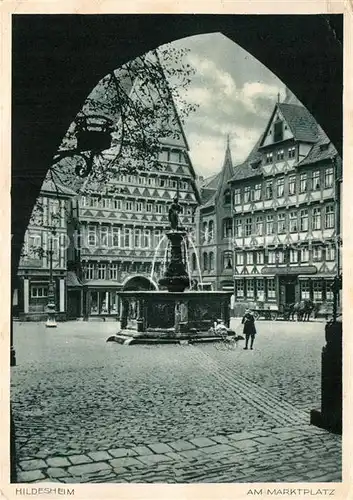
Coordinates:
249 328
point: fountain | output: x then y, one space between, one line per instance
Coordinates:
172 314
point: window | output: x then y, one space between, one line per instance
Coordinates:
211 261
159 208
89 271
128 205
329 177
269 224
92 236
94 201
211 230
280 257
162 182
291 152
330 252
280 154
260 289
329 217
194 262
269 190
205 261
116 237
280 187
304 254
247 194
304 290
304 220
104 243
259 225
250 288
227 197
149 207
281 223
117 204
137 238
227 228
238 228
259 257
278 131
317 290
106 202
38 292
113 271
316 218
239 287
139 206
317 253
269 158
228 259
248 226
329 291
127 237
239 258
316 180
272 257
257 194
303 182
205 232
157 237
271 289
146 238
101 271
237 200
293 222
293 256
249 258
291 185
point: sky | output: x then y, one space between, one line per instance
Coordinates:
236 95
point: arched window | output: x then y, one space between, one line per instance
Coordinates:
227 197
210 230
227 227
228 259
205 261
204 232
193 262
211 261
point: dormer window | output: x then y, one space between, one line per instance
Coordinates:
227 198
278 131
269 158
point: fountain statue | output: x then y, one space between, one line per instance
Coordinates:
178 311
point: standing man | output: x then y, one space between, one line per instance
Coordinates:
249 328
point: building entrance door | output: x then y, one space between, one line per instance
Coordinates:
290 293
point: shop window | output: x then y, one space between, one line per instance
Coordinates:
250 289
329 291
38 292
304 290
239 287
317 290
271 289
260 290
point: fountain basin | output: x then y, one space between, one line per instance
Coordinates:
160 316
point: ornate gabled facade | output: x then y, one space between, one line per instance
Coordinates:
284 215
213 253
122 236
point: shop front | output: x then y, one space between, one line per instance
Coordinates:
100 299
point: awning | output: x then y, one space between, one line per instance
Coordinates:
72 280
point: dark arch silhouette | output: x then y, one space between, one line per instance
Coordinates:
139 283
58 59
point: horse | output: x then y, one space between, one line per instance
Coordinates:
302 310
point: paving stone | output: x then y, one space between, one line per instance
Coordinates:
79 459
160 448
142 450
202 441
32 464
56 472
268 440
175 456
80 470
154 459
120 470
181 445
218 448
125 462
58 462
240 436
244 444
28 476
122 452
193 454
99 456
286 436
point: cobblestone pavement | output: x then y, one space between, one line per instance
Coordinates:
90 411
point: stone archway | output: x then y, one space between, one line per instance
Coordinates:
50 81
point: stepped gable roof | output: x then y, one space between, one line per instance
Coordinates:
302 123
322 150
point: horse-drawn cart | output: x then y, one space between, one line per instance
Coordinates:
269 314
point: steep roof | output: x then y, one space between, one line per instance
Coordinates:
322 150
302 124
